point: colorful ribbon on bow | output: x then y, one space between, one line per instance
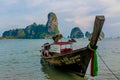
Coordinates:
94 62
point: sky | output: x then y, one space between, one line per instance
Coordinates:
70 13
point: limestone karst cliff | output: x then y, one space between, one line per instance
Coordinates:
35 31
76 33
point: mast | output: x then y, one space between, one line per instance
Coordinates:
98 24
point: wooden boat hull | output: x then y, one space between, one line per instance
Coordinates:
76 61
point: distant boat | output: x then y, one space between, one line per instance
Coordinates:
62 55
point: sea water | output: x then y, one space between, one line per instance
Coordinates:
20 60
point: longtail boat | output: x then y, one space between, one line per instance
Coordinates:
76 60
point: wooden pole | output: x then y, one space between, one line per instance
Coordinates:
99 21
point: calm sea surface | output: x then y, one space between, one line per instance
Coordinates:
20 60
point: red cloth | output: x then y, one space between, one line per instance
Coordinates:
92 60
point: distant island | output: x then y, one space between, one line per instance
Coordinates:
41 31
35 31
76 33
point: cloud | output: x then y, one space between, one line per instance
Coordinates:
85 14
82 16
9 2
81 21
35 3
112 7
79 12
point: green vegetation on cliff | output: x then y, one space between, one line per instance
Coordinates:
40 31
35 31
32 31
76 33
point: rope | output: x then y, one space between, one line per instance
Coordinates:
108 67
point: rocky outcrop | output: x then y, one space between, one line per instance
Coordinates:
32 31
87 34
76 33
52 24
15 33
35 31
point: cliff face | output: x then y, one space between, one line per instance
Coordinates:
87 34
32 31
16 33
35 31
52 24
76 33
